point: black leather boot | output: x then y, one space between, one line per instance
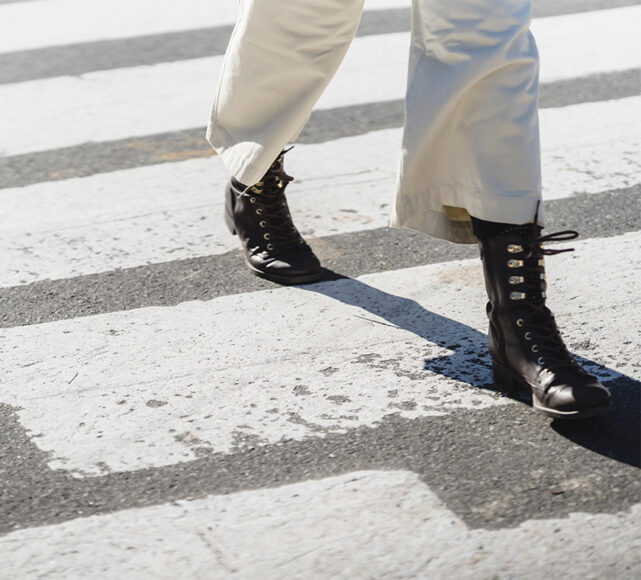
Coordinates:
260 216
525 344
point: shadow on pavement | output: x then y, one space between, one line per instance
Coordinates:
616 435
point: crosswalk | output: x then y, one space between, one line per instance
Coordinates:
115 104
208 537
165 212
175 417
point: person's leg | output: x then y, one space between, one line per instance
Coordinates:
280 59
471 170
281 56
471 143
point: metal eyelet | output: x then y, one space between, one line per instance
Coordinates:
541 262
528 335
267 236
535 348
515 263
262 223
520 322
259 211
540 360
514 249
252 200
270 246
517 295
516 280
543 277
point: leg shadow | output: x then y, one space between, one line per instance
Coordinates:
616 435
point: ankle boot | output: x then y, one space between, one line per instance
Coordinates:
260 216
525 344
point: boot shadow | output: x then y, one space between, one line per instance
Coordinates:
616 435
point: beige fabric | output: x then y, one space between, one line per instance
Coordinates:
471 143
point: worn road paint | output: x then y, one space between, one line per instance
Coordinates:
358 525
169 212
27 26
254 369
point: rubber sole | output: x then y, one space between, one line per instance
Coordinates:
508 381
285 280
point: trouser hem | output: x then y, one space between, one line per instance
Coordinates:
451 221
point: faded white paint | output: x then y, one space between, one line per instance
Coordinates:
173 211
583 154
365 524
48 23
575 45
106 105
292 363
28 25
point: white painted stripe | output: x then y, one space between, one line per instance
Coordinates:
367 524
576 45
591 147
158 386
106 105
46 23
173 211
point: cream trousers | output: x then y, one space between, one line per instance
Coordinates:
471 138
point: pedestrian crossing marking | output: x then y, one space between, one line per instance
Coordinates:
28 25
357 525
383 333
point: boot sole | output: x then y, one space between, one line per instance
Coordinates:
510 382
286 280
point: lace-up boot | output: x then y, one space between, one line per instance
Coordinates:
260 216
525 344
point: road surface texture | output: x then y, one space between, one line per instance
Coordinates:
164 414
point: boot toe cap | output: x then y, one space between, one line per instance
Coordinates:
574 397
292 269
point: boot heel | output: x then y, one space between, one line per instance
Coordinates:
229 210
503 378
229 221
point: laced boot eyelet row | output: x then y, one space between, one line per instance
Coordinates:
286 259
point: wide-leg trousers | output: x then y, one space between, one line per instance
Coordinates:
471 137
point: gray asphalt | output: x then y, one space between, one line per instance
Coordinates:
472 460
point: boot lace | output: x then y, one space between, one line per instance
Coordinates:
542 330
269 197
